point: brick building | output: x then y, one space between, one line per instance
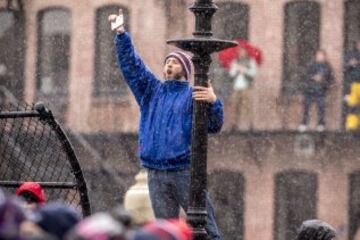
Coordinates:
61 52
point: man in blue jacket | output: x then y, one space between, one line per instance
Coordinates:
165 125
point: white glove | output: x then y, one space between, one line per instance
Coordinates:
117 22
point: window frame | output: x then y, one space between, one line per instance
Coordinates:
291 87
237 212
40 15
97 92
16 76
281 193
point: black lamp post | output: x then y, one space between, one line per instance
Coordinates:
202 45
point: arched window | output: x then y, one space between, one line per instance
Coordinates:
301 40
231 21
295 201
228 200
354 204
53 57
12 43
108 78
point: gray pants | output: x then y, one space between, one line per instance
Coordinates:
169 190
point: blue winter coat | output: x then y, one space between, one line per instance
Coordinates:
166 112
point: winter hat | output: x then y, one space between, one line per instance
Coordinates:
173 229
56 218
316 230
185 61
34 188
100 226
11 216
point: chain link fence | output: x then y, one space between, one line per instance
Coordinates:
33 147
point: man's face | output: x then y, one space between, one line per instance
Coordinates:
173 69
242 53
358 45
320 56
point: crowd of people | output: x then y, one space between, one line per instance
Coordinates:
28 216
317 79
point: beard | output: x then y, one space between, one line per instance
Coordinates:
169 75
178 76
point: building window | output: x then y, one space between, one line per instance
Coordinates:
354 204
295 201
108 78
228 201
351 23
301 40
53 52
175 15
351 36
231 21
12 44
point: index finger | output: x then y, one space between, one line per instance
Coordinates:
120 11
200 88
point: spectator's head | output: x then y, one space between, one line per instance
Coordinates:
56 218
316 230
98 226
11 217
32 193
357 44
320 55
175 229
178 66
122 216
242 53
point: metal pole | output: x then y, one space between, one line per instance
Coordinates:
202 45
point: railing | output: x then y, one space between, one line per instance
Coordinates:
34 147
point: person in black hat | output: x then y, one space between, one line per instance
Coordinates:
56 219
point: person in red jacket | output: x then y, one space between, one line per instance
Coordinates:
32 193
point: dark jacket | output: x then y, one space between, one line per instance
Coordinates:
352 74
313 86
166 112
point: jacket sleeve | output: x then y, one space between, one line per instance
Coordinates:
233 69
140 79
307 74
215 116
251 70
329 77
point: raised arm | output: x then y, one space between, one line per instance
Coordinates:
138 76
